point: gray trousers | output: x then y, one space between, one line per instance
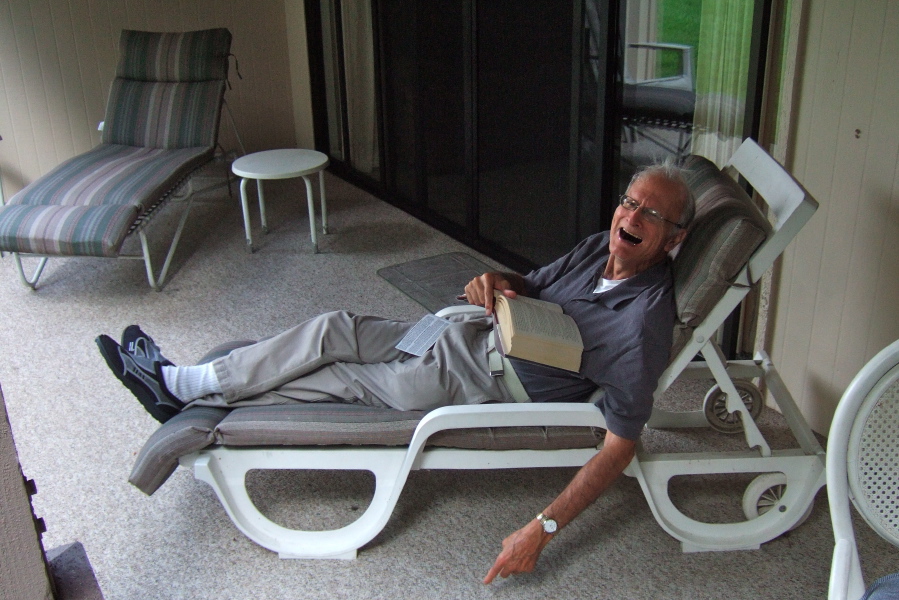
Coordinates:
342 357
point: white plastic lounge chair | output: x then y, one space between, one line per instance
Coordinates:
863 466
161 125
729 248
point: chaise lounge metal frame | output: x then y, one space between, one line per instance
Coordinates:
727 252
160 129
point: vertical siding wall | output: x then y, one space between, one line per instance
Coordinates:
58 57
838 296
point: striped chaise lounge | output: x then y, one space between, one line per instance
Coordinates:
161 125
728 249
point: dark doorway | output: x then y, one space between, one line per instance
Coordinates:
513 126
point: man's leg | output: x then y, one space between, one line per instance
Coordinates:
342 357
323 340
255 369
454 371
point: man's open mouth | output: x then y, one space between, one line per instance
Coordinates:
628 237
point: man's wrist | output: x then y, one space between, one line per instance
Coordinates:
547 523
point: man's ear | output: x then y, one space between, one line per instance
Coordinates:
675 240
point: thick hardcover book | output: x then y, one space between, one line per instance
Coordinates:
537 331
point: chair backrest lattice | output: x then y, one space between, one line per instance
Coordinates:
873 458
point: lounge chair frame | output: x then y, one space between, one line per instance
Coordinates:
801 469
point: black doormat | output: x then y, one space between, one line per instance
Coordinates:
435 282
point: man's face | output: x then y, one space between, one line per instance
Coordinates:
638 243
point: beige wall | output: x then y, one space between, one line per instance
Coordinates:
837 302
57 58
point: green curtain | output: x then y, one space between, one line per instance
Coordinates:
722 63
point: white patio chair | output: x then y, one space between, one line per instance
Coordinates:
863 466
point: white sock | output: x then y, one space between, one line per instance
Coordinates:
190 383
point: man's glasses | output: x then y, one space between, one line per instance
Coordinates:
650 214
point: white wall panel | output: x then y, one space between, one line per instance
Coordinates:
838 303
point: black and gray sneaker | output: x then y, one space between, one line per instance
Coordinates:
139 344
143 377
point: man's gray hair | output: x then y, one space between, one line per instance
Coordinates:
668 169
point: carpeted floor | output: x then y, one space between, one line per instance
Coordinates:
78 430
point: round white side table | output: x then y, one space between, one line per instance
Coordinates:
282 164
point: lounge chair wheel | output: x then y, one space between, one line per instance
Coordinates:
716 412
764 493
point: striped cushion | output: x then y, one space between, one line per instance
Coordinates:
114 174
325 424
149 56
86 205
65 230
168 89
727 229
184 433
349 424
163 115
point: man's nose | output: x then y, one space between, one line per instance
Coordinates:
637 217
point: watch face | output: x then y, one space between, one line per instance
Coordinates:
549 525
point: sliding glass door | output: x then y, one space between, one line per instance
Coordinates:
513 126
527 55
477 105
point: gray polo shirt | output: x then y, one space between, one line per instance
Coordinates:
627 333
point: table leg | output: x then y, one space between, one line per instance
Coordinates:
261 206
321 188
310 202
246 213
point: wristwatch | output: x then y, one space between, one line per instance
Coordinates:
549 525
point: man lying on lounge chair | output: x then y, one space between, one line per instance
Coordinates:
617 286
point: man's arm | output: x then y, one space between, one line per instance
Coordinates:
522 549
479 290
